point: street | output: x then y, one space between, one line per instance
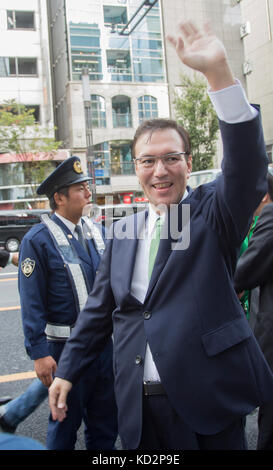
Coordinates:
16 369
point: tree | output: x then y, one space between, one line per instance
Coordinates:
22 135
195 112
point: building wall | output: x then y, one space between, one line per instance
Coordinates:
20 43
225 19
258 47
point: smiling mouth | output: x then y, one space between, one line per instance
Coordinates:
162 185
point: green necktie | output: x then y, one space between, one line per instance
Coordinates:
154 245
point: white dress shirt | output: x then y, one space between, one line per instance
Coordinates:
231 106
69 224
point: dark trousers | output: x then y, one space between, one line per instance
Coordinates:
265 425
92 401
163 429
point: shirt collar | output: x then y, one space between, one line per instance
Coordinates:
68 223
153 216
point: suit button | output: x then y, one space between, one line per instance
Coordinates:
147 315
138 360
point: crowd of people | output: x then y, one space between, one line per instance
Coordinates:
140 331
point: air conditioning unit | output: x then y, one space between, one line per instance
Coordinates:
245 29
247 68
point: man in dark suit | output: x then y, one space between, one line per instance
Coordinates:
58 262
255 269
187 366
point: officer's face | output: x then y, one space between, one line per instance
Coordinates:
79 195
162 184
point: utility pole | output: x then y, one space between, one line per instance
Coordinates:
88 129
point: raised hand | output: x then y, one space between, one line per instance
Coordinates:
201 50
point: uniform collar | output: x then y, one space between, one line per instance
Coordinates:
68 223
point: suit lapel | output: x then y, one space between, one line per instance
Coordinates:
125 249
138 221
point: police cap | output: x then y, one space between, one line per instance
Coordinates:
67 173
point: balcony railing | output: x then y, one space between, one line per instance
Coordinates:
122 120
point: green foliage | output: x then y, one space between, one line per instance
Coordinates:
21 134
195 112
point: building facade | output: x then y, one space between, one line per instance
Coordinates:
25 78
133 73
256 35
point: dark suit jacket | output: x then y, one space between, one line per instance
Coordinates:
208 359
255 268
4 257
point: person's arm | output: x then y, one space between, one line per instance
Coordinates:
4 258
15 258
32 289
240 188
255 265
204 52
201 50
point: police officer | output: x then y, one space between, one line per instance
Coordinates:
58 261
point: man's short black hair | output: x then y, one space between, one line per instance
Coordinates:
52 202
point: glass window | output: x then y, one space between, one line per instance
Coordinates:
147 49
27 66
85 50
18 66
147 108
121 111
119 65
102 163
98 111
121 158
114 16
36 111
20 19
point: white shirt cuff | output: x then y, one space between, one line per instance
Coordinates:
231 104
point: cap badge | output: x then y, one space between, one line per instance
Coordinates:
77 167
28 266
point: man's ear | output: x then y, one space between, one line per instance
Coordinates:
266 198
189 165
58 198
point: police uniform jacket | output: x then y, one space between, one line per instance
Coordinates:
45 288
209 362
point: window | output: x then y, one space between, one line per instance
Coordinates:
115 17
85 50
147 49
20 19
102 164
119 65
147 108
16 66
98 112
16 109
121 159
121 110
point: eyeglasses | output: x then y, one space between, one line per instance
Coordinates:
170 159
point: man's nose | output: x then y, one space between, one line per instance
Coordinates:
88 191
159 168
